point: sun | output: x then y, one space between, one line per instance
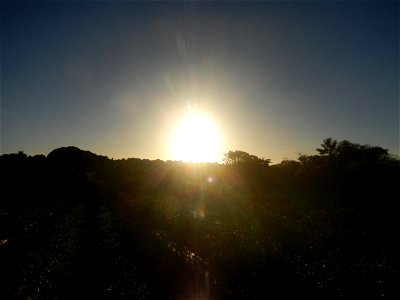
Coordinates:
196 139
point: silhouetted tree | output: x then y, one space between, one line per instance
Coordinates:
348 151
240 158
351 152
311 160
328 148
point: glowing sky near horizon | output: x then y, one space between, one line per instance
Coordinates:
276 78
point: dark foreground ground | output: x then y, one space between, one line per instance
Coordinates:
77 225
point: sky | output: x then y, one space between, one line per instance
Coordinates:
275 78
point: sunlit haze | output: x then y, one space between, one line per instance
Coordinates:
191 81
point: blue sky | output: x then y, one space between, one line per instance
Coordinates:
276 77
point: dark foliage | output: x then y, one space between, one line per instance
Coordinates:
77 225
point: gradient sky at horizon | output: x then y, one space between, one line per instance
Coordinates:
276 77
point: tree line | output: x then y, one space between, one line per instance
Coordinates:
75 224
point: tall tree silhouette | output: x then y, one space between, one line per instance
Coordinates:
328 148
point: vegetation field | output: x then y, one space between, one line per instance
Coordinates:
76 225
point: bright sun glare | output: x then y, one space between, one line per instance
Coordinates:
196 139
